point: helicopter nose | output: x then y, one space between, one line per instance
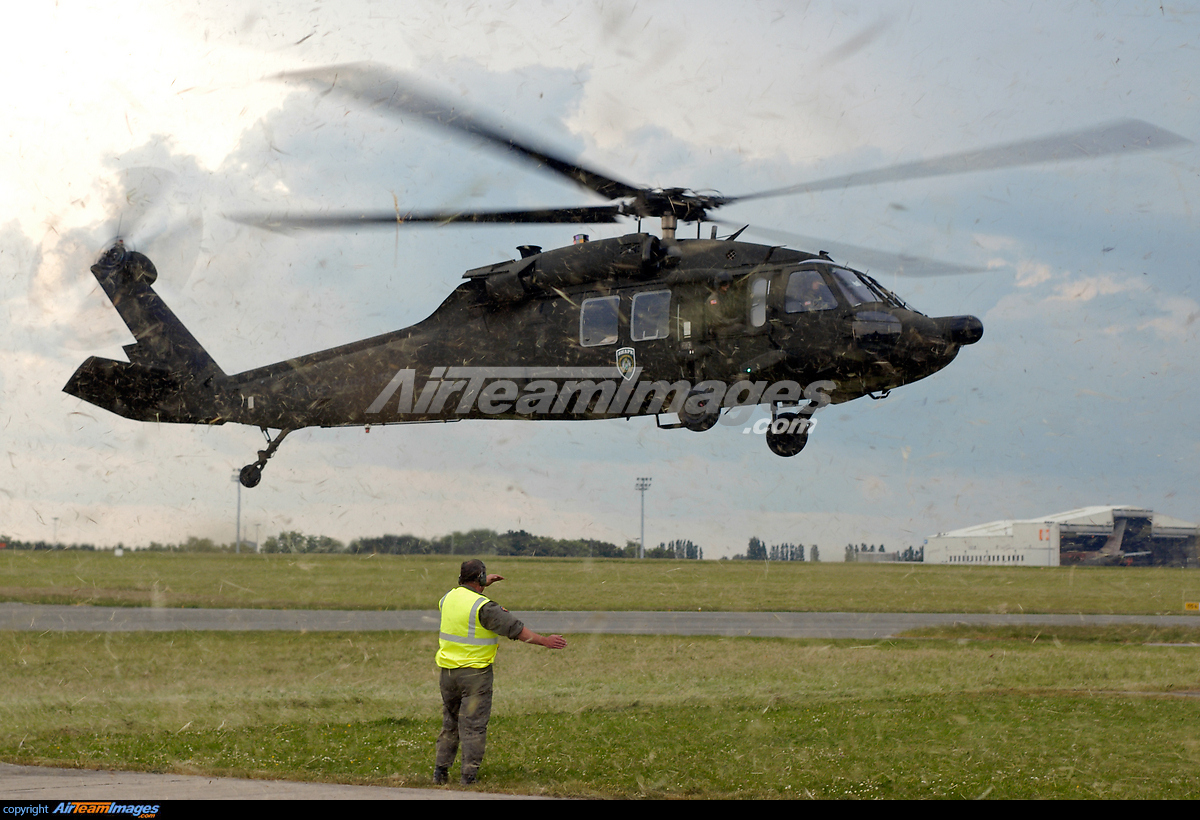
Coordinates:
961 330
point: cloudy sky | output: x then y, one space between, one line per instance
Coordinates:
1083 390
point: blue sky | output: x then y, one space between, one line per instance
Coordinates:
1082 390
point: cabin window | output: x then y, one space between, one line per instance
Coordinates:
651 316
856 290
758 301
598 321
806 290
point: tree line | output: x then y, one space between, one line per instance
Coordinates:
516 543
490 542
473 542
916 554
17 544
481 542
757 550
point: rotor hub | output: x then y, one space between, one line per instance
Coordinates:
114 256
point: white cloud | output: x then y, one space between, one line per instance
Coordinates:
1031 274
1179 323
1087 288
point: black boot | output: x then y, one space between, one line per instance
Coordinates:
440 776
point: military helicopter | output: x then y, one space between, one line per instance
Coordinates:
637 325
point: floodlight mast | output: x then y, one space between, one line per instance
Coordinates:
237 480
642 485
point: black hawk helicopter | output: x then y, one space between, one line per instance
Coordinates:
614 328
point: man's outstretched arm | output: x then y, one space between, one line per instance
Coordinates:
549 641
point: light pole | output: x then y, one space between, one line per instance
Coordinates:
642 485
238 481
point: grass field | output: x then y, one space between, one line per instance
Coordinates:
957 712
1094 714
417 582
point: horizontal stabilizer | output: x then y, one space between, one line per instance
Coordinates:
147 393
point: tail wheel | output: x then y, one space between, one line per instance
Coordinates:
250 475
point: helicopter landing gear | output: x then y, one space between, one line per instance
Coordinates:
700 420
787 434
251 474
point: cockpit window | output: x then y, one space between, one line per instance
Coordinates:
856 290
883 293
806 290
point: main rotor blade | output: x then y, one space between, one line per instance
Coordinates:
583 216
393 92
868 260
1118 137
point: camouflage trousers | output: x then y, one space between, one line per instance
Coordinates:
466 707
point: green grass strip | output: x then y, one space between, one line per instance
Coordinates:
625 716
386 582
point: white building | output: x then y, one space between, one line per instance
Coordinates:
1091 535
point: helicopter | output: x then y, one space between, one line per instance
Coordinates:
637 325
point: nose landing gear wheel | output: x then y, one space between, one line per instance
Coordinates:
250 475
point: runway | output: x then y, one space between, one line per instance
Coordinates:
854 625
46 785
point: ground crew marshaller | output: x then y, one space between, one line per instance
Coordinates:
470 633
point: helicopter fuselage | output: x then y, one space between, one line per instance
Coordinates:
612 328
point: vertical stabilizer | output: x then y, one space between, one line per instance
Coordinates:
163 342
169 376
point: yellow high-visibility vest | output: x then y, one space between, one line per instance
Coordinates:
463 640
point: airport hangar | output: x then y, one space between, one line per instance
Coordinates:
1090 535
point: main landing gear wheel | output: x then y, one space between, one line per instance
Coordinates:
789 441
700 420
251 474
